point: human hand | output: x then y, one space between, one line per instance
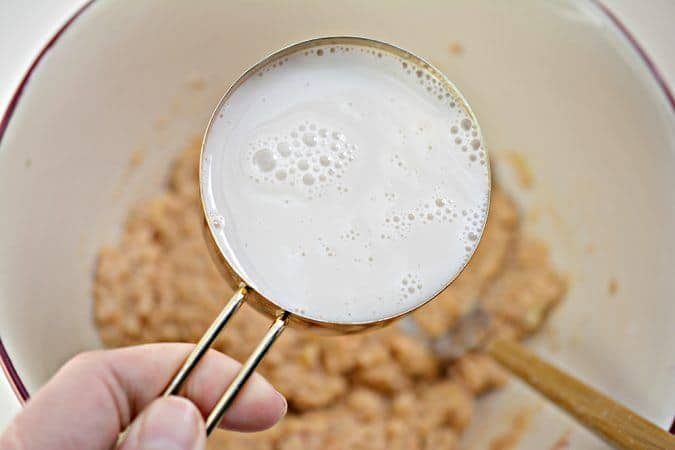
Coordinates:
96 395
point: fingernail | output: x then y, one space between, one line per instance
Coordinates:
172 423
283 399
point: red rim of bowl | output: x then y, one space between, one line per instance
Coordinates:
8 368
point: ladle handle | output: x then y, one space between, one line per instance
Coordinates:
612 421
246 370
205 342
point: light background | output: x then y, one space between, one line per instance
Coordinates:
25 26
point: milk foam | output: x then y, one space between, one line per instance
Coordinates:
345 184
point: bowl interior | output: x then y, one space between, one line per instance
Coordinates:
556 82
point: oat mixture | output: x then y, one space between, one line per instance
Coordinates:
377 390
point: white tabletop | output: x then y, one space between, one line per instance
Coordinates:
25 25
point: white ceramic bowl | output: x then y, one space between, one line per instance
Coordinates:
560 82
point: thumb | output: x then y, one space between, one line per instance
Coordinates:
172 423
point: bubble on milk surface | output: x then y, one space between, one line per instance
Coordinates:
410 285
264 160
310 164
216 220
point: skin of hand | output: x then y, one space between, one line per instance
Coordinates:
97 395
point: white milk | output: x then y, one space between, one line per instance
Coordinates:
345 184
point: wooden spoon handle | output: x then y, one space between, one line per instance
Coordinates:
612 421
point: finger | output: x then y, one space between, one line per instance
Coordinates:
172 423
97 394
144 374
